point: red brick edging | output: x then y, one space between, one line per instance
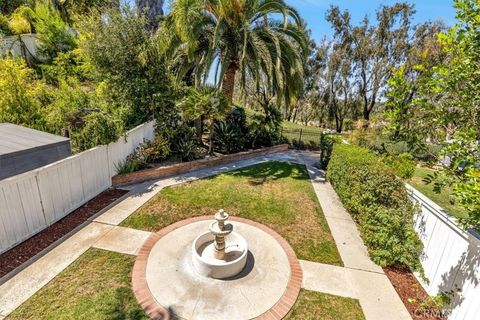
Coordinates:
184 167
158 312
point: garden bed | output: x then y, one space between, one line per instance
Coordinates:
26 250
412 294
179 168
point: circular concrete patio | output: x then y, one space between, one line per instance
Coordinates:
165 282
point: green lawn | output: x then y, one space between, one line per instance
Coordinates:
97 287
297 126
310 134
443 199
315 305
276 194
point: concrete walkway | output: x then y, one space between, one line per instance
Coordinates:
360 278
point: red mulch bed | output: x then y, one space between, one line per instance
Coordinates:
412 294
16 256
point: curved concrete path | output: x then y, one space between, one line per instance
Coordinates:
360 278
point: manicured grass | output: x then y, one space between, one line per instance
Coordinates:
443 199
315 305
96 286
276 194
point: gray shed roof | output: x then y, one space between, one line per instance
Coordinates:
16 139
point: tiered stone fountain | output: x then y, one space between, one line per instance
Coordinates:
199 269
216 257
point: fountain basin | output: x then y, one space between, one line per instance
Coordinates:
207 265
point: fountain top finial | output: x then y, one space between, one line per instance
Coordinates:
221 216
219 227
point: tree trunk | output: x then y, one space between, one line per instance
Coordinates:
228 84
295 115
210 138
199 129
338 123
366 117
152 10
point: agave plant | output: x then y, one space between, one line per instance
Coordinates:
238 38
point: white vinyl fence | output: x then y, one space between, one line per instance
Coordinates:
32 201
451 258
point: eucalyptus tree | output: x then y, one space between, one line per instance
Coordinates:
375 48
152 10
338 79
411 105
435 94
239 38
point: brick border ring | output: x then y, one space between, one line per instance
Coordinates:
157 312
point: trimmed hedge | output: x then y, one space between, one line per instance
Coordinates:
379 202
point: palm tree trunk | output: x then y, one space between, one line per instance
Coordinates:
228 84
210 138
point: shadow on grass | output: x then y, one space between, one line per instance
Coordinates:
120 311
271 170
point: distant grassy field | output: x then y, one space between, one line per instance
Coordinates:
443 199
292 125
291 131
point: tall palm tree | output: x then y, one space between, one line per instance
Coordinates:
239 38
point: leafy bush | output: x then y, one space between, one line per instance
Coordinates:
232 134
187 149
131 164
299 144
99 128
379 202
326 147
4 26
228 138
156 150
21 94
265 127
66 65
402 164
123 57
53 32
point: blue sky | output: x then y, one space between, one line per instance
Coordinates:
313 11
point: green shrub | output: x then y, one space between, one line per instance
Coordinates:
98 128
402 164
228 138
326 147
187 149
232 134
156 150
379 202
21 94
299 144
53 32
4 26
131 164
